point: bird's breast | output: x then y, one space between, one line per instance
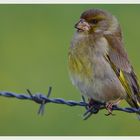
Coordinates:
86 56
79 58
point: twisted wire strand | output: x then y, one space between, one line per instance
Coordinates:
43 100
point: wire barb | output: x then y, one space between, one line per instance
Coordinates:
42 106
38 99
43 100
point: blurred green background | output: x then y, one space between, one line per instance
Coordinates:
34 41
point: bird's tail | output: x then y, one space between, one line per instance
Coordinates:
132 88
138 114
134 103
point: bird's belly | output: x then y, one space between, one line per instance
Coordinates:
102 85
104 90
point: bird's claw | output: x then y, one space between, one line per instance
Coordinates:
110 113
109 109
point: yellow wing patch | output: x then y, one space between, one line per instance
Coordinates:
121 77
125 83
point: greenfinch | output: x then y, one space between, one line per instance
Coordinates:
98 63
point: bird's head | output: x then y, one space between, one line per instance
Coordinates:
96 21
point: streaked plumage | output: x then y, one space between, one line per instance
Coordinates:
98 64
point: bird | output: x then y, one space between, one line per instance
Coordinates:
98 63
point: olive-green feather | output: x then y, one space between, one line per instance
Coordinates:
118 59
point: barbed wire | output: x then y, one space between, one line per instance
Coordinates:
43 100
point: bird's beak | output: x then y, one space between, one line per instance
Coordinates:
82 26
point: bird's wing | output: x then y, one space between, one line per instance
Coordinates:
118 59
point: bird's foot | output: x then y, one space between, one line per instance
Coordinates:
93 103
109 109
94 106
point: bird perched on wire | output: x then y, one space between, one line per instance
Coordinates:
98 63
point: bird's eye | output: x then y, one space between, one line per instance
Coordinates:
94 21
